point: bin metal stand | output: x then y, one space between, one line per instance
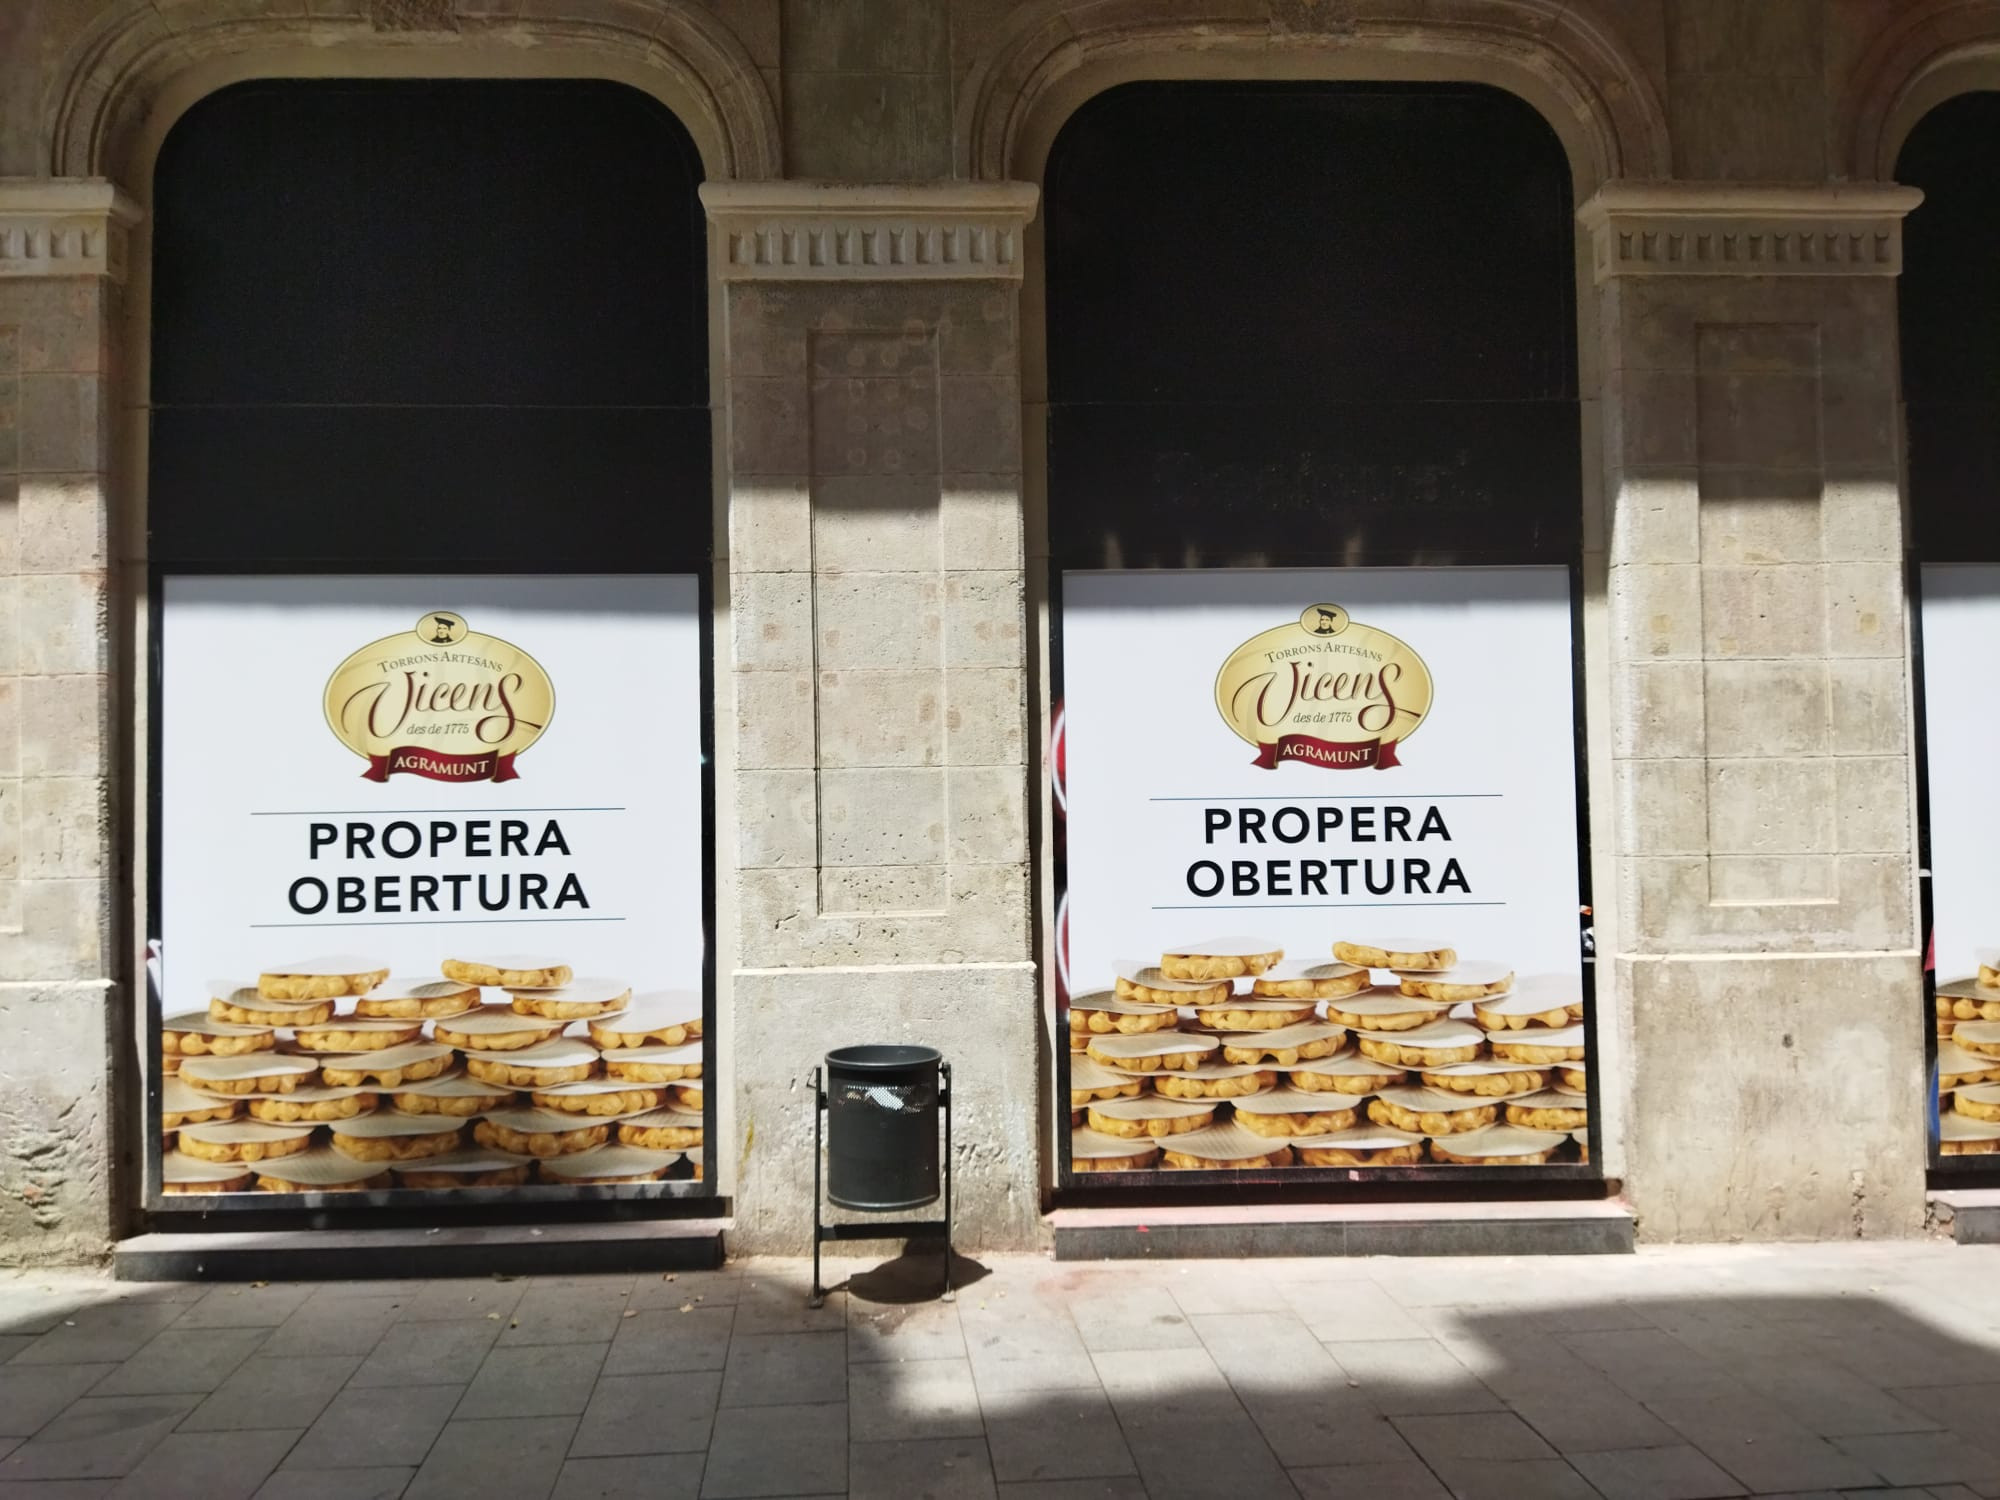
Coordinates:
879 1229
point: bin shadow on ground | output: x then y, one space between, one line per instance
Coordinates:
1806 1370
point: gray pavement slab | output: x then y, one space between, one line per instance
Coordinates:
1696 1373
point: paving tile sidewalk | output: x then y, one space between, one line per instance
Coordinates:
1675 1374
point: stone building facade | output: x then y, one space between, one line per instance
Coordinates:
872 180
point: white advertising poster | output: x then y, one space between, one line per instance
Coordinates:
1259 765
411 827
1961 627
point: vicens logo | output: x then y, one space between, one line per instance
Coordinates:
1324 690
440 701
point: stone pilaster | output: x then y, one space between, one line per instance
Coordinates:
1765 974
62 260
877 697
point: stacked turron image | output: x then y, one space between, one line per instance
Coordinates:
501 1071
1224 1056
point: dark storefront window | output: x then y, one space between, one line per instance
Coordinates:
429 522
1314 523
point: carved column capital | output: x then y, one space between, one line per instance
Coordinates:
802 231
1746 229
63 226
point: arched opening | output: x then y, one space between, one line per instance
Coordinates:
1314 486
1949 306
429 530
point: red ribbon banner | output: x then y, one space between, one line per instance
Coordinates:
440 765
1327 754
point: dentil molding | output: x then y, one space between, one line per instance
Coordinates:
1732 229
63 226
799 231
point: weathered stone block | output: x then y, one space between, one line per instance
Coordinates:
1874 805
867 127
63 827
1771 806
1766 707
768 427
883 890
889 718
1871 706
980 522
881 816
876 523
1763 879
1655 518
57 1201
61 520
776 819
982 424
1755 517
64 931
1662 806
986 717
1649 419
878 620
988 814
774 719
64 722
884 425
1761 420
986 1021
983 624
770 620
1657 610
1657 709
63 623
1775 611
770 525
62 424
1861 521
1864 609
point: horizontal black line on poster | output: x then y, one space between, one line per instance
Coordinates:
1309 905
468 922
417 812
1328 797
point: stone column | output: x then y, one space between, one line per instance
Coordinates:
1765 973
873 724
64 1019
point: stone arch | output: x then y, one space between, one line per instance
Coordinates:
1054 54
140 64
1931 51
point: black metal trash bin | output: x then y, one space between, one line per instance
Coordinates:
882 1127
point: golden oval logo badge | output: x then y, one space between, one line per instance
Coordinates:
1324 690
441 701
